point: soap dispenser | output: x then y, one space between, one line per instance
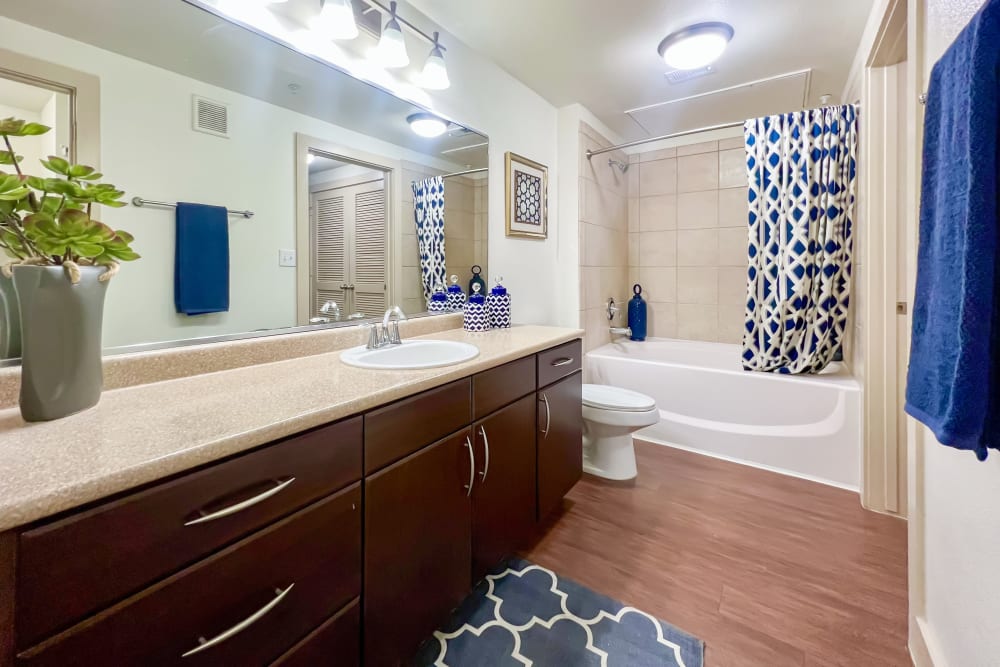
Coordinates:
499 305
456 297
637 314
477 317
438 302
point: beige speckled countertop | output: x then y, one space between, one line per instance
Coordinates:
140 434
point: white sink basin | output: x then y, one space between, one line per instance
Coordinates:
411 354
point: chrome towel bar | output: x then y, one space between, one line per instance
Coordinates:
140 202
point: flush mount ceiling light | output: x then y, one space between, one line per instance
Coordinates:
435 74
427 124
335 20
696 46
391 49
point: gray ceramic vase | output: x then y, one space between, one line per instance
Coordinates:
10 321
60 340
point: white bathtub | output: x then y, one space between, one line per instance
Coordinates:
806 426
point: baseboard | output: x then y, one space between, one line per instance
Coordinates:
752 464
923 649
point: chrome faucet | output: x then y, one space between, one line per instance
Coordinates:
388 332
613 311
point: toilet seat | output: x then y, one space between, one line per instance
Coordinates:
604 397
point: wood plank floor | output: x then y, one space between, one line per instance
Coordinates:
768 570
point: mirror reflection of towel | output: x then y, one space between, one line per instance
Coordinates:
201 259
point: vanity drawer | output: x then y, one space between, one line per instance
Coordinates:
246 605
558 362
497 387
83 563
403 427
337 642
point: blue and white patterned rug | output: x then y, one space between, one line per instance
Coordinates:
526 615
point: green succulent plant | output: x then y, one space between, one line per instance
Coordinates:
48 220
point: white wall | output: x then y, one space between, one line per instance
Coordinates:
961 496
32 149
149 150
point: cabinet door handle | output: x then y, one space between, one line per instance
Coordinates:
486 464
238 507
548 416
204 644
472 467
562 361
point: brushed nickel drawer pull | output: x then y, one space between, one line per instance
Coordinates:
562 361
238 507
548 416
486 465
242 625
472 467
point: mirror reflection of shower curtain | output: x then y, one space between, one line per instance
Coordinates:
428 213
802 169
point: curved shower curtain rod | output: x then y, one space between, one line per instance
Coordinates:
673 135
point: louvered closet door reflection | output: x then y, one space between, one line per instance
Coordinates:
369 257
330 259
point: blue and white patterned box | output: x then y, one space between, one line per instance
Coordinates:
498 303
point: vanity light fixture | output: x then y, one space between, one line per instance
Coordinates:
434 76
427 125
335 20
696 45
391 49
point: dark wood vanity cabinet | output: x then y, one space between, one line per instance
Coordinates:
417 547
560 425
347 544
503 498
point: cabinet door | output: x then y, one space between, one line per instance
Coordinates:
418 539
560 441
503 501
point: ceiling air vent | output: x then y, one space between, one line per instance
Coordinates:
210 117
682 75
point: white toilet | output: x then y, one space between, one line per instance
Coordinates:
610 416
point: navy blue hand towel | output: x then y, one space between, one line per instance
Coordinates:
952 381
201 259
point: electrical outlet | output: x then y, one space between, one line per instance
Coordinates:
286 258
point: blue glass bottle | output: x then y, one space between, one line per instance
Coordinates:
637 314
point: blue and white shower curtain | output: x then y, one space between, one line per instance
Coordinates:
801 168
428 212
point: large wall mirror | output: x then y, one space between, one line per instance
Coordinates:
316 168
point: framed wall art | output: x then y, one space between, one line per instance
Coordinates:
527 184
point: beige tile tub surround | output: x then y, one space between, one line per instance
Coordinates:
605 219
141 434
687 222
130 370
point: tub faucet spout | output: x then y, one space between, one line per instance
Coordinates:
621 331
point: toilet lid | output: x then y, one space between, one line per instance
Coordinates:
616 398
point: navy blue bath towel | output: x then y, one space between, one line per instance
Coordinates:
201 259
952 385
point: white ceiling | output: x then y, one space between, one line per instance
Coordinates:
603 54
23 95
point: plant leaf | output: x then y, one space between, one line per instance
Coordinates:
6 157
11 126
80 170
57 165
33 129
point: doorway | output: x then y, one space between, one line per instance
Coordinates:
348 228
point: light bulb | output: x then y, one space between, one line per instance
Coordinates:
391 49
427 125
696 46
434 76
335 20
